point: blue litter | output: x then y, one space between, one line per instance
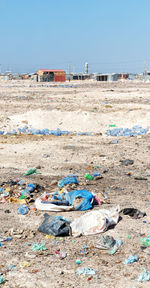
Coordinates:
67 180
131 259
136 130
21 182
87 196
45 131
1 190
145 276
25 193
86 271
9 238
95 174
22 209
31 187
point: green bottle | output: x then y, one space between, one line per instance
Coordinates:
88 176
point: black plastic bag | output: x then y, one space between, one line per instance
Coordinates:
55 226
134 213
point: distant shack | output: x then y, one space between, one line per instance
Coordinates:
107 77
47 75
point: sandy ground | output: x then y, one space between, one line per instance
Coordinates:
75 106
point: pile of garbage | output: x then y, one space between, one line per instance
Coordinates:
62 200
135 130
16 191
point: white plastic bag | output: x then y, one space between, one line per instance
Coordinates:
95 222
51 207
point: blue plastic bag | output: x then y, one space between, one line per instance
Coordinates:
87 202
67 180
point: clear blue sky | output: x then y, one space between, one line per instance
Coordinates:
111 35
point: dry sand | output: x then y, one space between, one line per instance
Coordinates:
85 106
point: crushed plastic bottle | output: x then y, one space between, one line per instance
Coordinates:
96 174
31 172
118 243
2 280
22 209
145 276
61 255
38 247
131 259
86 271
145 241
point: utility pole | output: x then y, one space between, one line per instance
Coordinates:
145 71
69 71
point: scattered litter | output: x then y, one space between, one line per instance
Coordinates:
85 250
145 241
118 243
56 226
140 178
145 276
95 222
127 162
132 212
96 174
15 200
29 255
38 247
31 131
46 155
78 261
25 264
80 199
66 201
105 242
22 209
9 238
88 176
86 271
31 171
61 255
2 280
136 130
131 259
67 180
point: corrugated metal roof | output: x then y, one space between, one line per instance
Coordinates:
51 70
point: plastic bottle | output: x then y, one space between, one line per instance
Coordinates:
88 176
22 209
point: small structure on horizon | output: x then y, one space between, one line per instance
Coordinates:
107 77
77 76
51 75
